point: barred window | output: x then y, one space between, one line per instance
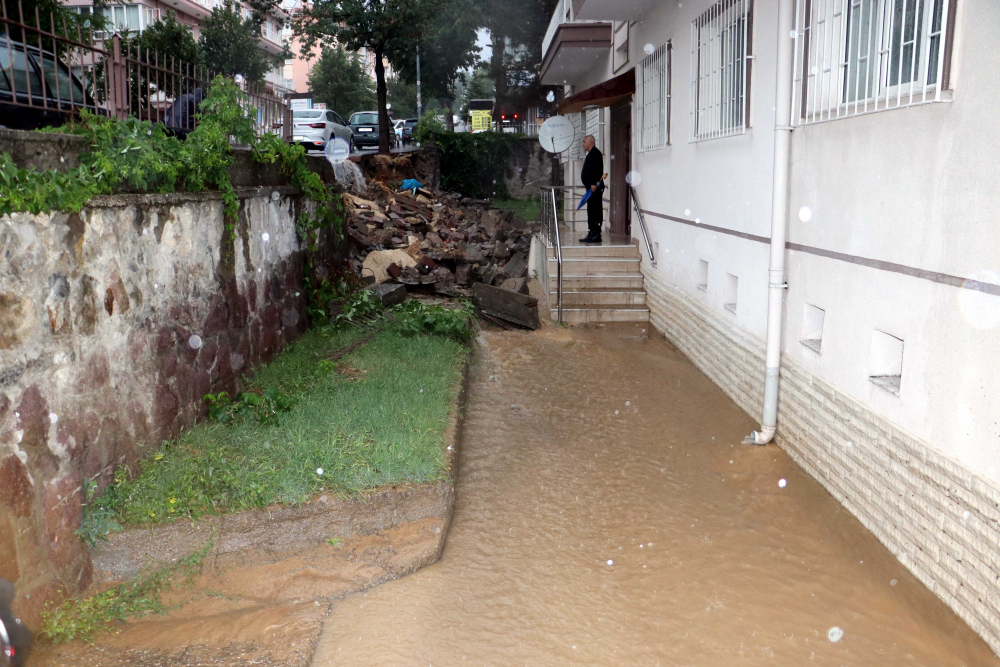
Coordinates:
720 70
653 95
858 56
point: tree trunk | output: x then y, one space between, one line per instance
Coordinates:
380 91
498 70
450 122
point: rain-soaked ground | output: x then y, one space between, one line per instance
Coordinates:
607 515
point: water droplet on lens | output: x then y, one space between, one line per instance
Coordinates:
611 562
687 211
319 471
893 582
649 48
194 342
235 361
793 34
275 196
805 214
835 634
266 236
782 483
289 317
633 178
53 417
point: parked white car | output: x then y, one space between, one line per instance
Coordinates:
314 127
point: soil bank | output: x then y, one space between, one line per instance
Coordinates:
607 514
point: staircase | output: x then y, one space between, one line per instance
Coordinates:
601 283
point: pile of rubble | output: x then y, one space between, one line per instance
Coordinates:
443 242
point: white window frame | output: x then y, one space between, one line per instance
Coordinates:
721 59
652 110
830 83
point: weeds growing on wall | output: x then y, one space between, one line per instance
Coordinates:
139 156
473 164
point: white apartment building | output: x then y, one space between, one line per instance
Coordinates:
890 321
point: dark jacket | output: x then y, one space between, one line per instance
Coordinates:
593 169
181 114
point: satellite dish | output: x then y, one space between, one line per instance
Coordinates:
556 134
337 150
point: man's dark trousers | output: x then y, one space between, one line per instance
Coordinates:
595 213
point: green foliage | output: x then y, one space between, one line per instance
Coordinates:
416 317
229 43
362 306
474 164
135 155
480 87
339 80
81 619
427 127
402 96
98 521
362 433
263 407
172 41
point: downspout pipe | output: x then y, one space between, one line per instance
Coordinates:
776 284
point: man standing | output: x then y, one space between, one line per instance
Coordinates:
593 169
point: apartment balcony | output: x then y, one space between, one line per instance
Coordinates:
611 10
271 39
572 48
281 84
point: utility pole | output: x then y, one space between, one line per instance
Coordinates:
419 106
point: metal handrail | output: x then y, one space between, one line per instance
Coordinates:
642 224
550 228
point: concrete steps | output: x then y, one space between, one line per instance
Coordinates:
601 283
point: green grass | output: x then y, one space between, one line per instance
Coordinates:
528 208
374 417
80 619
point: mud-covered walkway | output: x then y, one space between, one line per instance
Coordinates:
607 515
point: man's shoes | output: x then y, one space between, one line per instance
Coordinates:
595 239
587 239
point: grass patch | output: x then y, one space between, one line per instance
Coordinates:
374 417
81 619
528 208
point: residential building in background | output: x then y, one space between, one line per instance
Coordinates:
890 348
136 17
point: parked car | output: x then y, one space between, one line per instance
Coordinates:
364 125
50 104
314 127
407 130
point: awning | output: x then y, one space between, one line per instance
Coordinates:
603 94
576 49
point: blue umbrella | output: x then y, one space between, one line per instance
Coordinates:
584 198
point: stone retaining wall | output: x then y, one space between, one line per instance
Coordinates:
938 518
114 324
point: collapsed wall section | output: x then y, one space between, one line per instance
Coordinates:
938 518
114 324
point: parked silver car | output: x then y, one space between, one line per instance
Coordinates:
314 127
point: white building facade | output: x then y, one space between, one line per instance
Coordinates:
890 328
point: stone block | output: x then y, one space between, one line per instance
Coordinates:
519 285
507 305
388 293
516 267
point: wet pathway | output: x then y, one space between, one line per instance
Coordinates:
607 515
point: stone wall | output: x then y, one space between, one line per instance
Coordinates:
530 168
114 324
939 519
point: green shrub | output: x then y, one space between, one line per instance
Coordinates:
474 164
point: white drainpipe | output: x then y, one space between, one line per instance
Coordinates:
779 223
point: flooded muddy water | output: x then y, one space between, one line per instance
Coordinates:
607 514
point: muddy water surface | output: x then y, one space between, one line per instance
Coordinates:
607 515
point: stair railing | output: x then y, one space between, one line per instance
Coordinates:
642 224
549 217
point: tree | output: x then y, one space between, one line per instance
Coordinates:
517 28
446 51
376 25
169 38
479 87
339 80
402 96
229 43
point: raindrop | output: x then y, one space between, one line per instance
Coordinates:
782 483
966 515
893 582
321 272
550 96
296 294
687 211
793 34
319 471
289 317
628 403
235 361
805 214
86 24
649 48
421 391
633 178
194 342
520 170
610 562
697 221
275 196
337 151
616 412
266 237
835 634
238 79
53 417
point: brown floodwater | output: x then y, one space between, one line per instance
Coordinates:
607 514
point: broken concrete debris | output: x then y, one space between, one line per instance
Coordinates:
519 285
441 242
390 294
507 305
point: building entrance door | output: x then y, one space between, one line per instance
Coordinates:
621 161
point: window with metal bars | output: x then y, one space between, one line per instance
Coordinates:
653 97
858 56
720 70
